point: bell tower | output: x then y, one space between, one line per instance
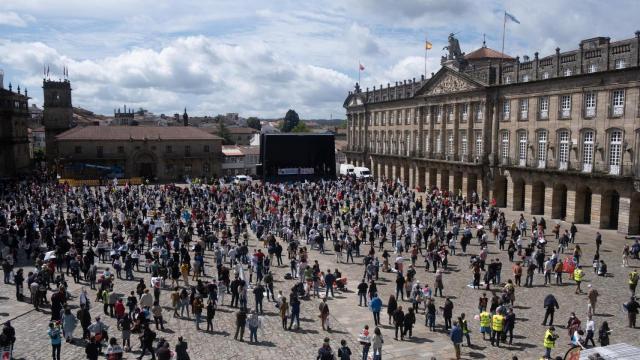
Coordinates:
57 116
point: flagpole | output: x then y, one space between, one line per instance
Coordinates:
504 28
359 71
425 58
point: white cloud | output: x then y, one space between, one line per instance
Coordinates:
10 18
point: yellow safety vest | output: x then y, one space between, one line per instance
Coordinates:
633 277
497 322
577 275
484 319
549 341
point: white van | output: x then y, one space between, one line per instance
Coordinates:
346 170
362 172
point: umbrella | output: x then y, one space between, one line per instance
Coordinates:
49 255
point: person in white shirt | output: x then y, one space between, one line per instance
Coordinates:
591 329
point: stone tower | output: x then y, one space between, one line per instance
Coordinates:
57 116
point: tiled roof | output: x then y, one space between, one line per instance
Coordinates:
486 53
135 133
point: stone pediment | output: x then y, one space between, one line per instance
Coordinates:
448 82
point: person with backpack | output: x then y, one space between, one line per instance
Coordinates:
325 352
55 335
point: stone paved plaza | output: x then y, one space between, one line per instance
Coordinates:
349 318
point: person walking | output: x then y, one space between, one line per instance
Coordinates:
211 313
632 308
241 321
456 338
633 281
392 305
398 322
497 324
376 306
362 292
464 325
254 324
181 350
365 340
324 314
376 344
284 312
578 276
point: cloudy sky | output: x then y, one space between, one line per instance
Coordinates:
260 58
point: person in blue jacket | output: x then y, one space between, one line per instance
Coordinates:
456 337
376 306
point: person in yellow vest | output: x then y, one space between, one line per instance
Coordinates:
497 324
485 324
578 274
549 343
633 281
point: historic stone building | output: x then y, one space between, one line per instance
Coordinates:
165 153
15 156
557 136
57 116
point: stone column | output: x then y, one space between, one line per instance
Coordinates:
509 192
482 190
456 135
571 205
452 183
624 212
386 171
528 192
420 177
548 201
494 136
412 177
438 178
465 186
596 204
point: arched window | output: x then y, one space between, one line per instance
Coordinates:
588 142
615 152
504 147
542 148
522 148
563 149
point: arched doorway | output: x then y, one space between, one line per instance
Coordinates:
518 194
609 209
457 182
583 205
145 166
472 185
537 198
559 202
500 190
444 180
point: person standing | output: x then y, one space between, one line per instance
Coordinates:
591 329
197 310
633 281
456 338
56 340
485 324
592 295
549 341
295 310
497 324
284 312
254 324
181 349
462 322
365 340
632 308
447 313
398 322
211 313
603 334
578 275
241 321
509 325
409 320
362 292
324 314
376 344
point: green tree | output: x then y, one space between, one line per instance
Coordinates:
300 128
254 122
223 132
140 111
291 120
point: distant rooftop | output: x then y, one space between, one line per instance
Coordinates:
135 133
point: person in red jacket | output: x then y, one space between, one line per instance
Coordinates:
119 309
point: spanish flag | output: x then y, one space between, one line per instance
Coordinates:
428 45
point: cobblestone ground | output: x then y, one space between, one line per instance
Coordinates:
349 318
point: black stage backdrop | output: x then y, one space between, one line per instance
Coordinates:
293 157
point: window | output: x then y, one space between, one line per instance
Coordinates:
120 149
545 75
450 143
206 148
465 112
463 143
187 168
587 151
507 79
438 114
169 149
524 109
590 104
479 113
187 150
542 149
504 147
407 143
525 78
522 148
592 68
544 108
100 151
620 64
615 152
450 113
617 102
78 149
407 116
563 150
205 168
438 143
478 138
506 109
427 142
567 72
565 106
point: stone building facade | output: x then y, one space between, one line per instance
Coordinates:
162 153
556 136
15 156
57 116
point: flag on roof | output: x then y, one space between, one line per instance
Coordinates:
428 45
361 67
511 17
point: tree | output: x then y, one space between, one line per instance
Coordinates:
300 128
254 122
140 111
223 132
291 120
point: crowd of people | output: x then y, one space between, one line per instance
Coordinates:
98 237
